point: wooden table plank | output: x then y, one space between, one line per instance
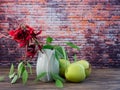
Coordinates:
100 79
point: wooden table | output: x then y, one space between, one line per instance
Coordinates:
100 79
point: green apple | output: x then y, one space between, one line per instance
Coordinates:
75 73
87 66
63 65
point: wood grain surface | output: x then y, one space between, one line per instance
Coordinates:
100 79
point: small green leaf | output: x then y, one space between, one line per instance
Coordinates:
59 83
2 78
56 76
75 58
12 75
59 52
56 55
72 45
40 76
64 53
30 67
14 79
11 69
49 40
48 47
25 76
20 68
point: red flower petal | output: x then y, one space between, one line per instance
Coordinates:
28 37
39 32
31 50
12 32
22 44
30 54
29 28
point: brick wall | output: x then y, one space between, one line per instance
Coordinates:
94 25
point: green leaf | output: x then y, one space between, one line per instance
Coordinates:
30 67
11 70
58 83
49 40
20 68
2 78
75 58
48 47
14 79
12 75
64 53
25 76
72 45
58 55
56 76
59 52
40 76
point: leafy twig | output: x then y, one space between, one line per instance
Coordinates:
20 73
58 80
73 45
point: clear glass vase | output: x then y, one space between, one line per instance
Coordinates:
46 62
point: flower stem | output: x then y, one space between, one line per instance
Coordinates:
37 42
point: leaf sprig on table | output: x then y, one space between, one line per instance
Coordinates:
21 73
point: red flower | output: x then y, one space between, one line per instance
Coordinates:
22 44
32 31
22 35
31 50
25 35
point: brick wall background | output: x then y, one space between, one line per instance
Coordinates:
94 25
